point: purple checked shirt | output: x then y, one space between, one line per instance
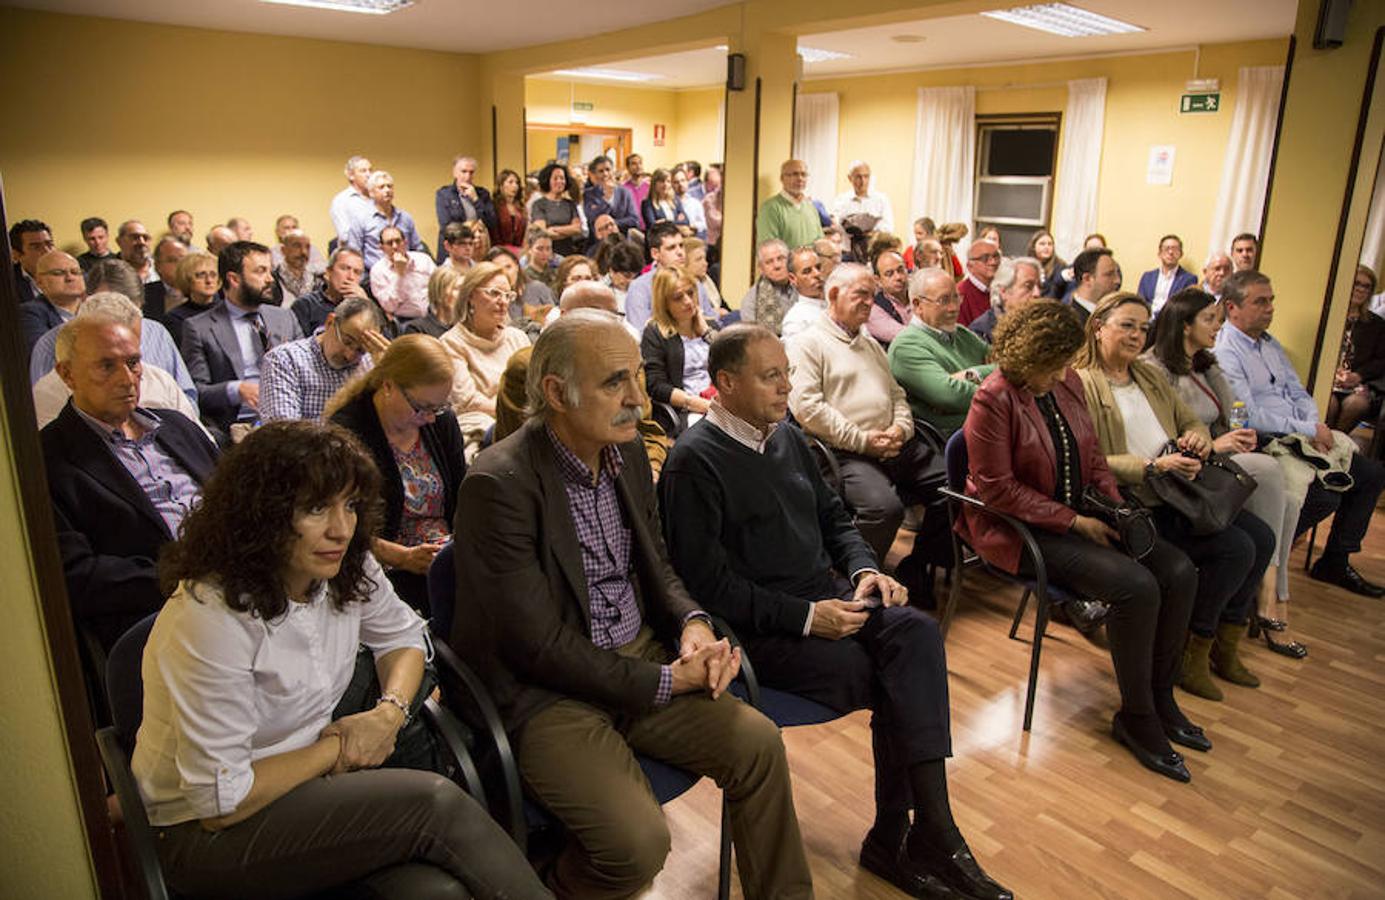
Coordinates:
606 546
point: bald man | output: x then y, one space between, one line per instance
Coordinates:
61 290
790 215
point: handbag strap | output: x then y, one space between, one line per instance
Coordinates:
1209 392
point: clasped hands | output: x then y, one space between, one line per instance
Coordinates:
835 619
885 444
704 662
367 738
1193 448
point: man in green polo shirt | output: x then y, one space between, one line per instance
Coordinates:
790 215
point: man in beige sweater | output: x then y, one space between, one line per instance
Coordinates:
841 391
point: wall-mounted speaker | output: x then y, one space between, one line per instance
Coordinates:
735 72
1332 24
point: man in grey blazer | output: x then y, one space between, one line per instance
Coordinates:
224 347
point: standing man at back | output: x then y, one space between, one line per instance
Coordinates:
790 215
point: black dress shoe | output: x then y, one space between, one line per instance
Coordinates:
1347 577
884 861
1189 736
1170 766
958 871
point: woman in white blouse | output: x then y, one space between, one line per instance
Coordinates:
253 787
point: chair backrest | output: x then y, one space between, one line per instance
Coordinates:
442 589
125 682
956 457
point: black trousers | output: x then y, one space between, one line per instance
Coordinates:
1353 508
878 490
1151 601
1230 566
895 666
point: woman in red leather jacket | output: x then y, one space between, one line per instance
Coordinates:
1032 451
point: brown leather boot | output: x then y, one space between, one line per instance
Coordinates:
1197 677
1224 659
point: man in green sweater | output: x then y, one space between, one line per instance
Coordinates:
790 214
939 363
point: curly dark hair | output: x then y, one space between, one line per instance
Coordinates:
240 536
1035 338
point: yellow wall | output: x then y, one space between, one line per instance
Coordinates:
877 116
548 102
157 139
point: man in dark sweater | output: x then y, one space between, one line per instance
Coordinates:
760 539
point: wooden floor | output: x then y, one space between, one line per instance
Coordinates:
1290 802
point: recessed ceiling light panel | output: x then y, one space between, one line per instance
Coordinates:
1064 20
607 74
814 55
369 7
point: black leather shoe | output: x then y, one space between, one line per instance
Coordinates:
884 861
1347 577
1190 736
1170 766
959 871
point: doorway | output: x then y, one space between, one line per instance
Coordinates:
576 143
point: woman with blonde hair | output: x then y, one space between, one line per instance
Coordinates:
695 252
443 286
675 345
400 412
196 278
480 344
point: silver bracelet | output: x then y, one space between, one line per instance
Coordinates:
393 700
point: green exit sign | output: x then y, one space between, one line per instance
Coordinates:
582 106
1200 103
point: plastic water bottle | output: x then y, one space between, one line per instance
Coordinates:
1239 417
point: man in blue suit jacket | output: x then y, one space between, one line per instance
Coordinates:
1158 285
462 201
61 291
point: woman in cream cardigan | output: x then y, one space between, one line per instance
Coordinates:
1137 416
480 344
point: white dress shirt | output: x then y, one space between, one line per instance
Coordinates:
872 204
223 689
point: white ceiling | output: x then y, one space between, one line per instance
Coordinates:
461 26
973 39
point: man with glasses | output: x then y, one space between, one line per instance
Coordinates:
61 290
790 215
299 377
459 247
983 258
399 280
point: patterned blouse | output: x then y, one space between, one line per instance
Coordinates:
424 520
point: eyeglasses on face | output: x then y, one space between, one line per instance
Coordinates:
498 294
420 409
350 343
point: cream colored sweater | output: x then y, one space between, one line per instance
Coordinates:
478 365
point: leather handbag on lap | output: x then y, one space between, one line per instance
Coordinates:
1212 499
1133 523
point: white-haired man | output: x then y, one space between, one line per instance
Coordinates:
364 234
860 208
1016 282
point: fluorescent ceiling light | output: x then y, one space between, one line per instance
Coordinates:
1064 20
813 55
607 74
369 7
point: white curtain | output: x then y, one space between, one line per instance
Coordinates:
1245 172
1079 165
1373 246
944 155
815 142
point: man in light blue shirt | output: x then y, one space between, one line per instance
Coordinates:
665 243
1262 377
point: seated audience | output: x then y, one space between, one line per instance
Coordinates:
443 286
603 197
1357 383
939 363
241 227
1144 429
861 208
283 225
61 289
299 377
662 204
219 238
555 212
481 343
1033 453
243 720
341 281
713 206
890 313
983 258
709 295
1215 272
197 280
399 410
816 614
771 296
511 220
925 229
664 242
1043 250
805 274
829 256
135 244
527 293
366 231
622 265
1262 376
540 265
691 204
225 347
1016 282
1159 284
1184 335
399 280
30 239
121 478
1094 275
1245 252
158 389
789 216
96 235
605 232
842 392
590 645
674 346
460 200
296 272
161 295
180 225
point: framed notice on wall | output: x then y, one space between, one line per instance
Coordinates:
1160 168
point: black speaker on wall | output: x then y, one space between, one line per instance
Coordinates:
735 72
1332 24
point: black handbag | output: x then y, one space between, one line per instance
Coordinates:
1212 499
1133 523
